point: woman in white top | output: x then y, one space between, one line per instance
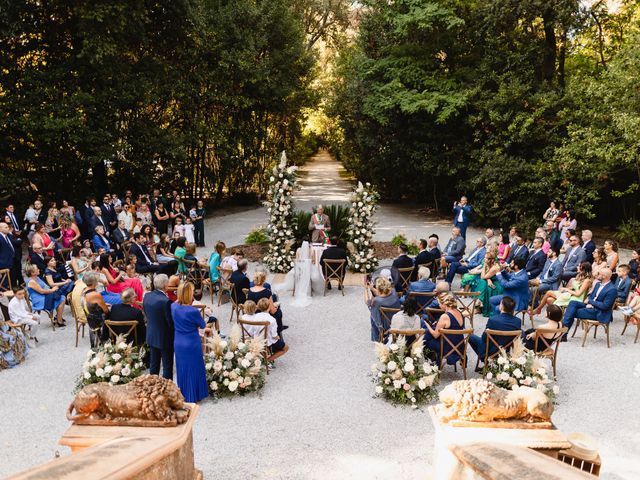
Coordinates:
126 217
19 314
406 319
274 342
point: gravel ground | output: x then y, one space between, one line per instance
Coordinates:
316 417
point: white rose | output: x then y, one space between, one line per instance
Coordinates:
122 345
233 386
392 365
225 382
94 361
518 373
217 366
213 385
394 347
541 371
108 369
245 363
223 344
408 367
116 356
397 384
387 381
228 355
421 385
379 390
258 363
489 375
429 380
114 378
501 360
87 375
208 366
126 371
521 361
556 389
408 360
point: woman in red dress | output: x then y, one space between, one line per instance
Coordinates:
42 239
118 280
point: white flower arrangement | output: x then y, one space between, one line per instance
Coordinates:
364 202
403 375
117 364
234 367
521 367
282 183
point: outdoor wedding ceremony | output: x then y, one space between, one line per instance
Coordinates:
322 239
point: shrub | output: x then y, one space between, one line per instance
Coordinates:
257 235
629 232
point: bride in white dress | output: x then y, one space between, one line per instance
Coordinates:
303 278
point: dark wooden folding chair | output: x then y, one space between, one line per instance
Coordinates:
467 302
395 333
404 277
334 270
263 332
385 315
5 280
423 299
551 345
492 341
129 325
456 347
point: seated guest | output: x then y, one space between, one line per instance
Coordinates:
110 298
504 321
42 297
599 305
144 262
163 253
403 260
441 287
469 262
54 278
76 300
215 260
335 251
485 280
518 250
100 242
274 341
554 317
428 253
118 280
623 283
19 313
599 262
537 259
240 281
633 265
38 258
121 234
573 256
179 253
454 250
130 271
125 311
515 284
451 319
231 262
258 291
490 238
588 245
550 276
406 319
611 251
504 248
632 309
383 296
422 285
576 290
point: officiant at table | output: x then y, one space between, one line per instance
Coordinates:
319 226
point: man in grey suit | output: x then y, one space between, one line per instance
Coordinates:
573 257
551 273
454 250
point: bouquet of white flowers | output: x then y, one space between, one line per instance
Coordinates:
364 202
403 375
117 363
234 367
282 183
521 367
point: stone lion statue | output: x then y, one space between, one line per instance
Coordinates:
482 401
148 400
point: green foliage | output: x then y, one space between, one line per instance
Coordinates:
339 218
398 239
301 223
256 235
629 232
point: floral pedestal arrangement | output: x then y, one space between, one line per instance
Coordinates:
364 202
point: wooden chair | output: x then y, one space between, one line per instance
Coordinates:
492 341
193 274
262 332
5 280
51 315
64 254
467 302
551 345
404 277
80 323
126 246
385 315
334 270
423 299
224 285
459 347
132 324
534 291
206 281
235 306
588 324
627 320
395 333
434 313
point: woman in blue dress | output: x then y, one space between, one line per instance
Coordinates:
42 297
187 345
54 278
451 319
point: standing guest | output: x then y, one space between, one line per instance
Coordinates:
577 290
178 227
383 296
573 257
403 260
161 218
118 280
611 251
484 279
160 329
69 232
566 224
334 251
515 284
177 212
156 199
191 375
215 260
15 223
454 250
51 224
98 220
7 250
198 222
451 319
144 214
554 317
588 245
504 249
537 259
188 231
471 261
231 262
34 216
551 274
125 311
519 249
42 297
599 305
109 213
126 217
504 321
55 279
67 210
42 239
462 216
240 280
319 226
551 213
623 284
19 313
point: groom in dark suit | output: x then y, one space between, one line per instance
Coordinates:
160 329
536 261
335 251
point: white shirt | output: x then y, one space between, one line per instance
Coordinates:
14 222
230 262
460 217
602 285
18 311
127 218
256 330
401 321
188 232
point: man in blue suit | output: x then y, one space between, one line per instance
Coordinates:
551 273
422 285
7 250
588 245
505 321
454 250
160 329
573 257
536 260
462 216
599 305
471 261
519 250
515 285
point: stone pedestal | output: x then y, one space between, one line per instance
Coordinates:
145 453
548 441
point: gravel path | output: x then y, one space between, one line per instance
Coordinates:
316 417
